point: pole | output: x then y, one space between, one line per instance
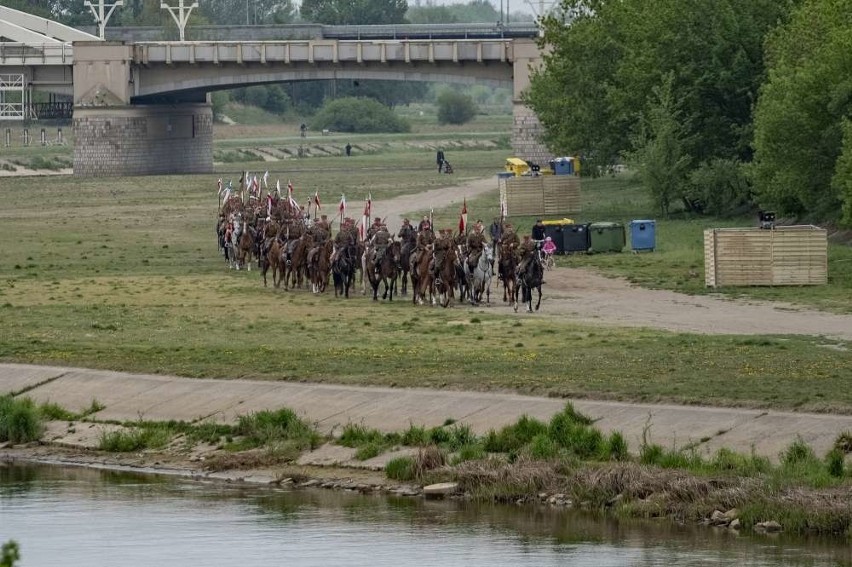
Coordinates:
180 14
102 15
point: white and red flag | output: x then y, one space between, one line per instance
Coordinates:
317 203
463 217
290 195
266 180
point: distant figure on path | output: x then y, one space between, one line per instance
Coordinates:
440 160
348 149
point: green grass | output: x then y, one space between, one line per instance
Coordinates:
137 439
20 420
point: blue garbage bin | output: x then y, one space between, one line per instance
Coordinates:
643 235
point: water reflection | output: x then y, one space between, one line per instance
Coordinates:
83 517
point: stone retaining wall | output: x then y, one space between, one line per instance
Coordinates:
143 140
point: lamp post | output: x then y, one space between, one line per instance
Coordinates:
102 13
180 14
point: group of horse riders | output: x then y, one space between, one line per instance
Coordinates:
289 242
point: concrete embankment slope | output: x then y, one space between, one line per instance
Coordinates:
128 397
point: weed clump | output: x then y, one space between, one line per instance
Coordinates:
20 420
136 439
268 427
400 468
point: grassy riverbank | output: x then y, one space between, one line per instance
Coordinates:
566 461
124 274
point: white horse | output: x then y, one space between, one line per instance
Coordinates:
233 244
482 273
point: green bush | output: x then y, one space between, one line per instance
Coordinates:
512 438
400 468
460 436
357 436
834 461
136 439
20 420
265 427
651 454
720 187
616 447
9 554
358 115
415 436
797 453
455 108
728 461
472 452
543 447
368 451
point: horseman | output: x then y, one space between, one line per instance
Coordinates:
380 241
374 228
475 245
527 250
347 236
443 243
324 223
406 231
425 238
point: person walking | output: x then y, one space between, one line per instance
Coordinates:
440 159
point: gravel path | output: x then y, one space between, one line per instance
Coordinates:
583 295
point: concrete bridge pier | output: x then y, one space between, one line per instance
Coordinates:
114 137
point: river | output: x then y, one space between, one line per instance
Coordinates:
93 518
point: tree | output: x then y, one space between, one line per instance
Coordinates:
9 554
256 12
455 108
842 180
660 157
431 15
358 115
354 12
800 146
593 87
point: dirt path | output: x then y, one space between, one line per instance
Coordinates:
582 295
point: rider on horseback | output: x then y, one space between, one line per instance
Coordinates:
424 238
380 241
406 232
527 250
475 245
443 243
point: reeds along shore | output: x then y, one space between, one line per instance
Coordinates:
566 462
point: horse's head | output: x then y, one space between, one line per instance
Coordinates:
487 254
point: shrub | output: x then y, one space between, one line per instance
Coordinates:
455 108
726 460
513 437
834 461
460 436
472 452
720 188
415 436
400 468
9 554
361 115
616 447
368 451
263 427
651 454
137 439
20 420
429 458
543 447
55 412
843 443
357 435
798 452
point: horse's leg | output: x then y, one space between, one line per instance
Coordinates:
538 303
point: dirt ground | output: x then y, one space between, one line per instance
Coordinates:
584 296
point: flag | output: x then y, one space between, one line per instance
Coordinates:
342 206
317 201
278 187
365 218
269 205
290 194
369 206
266 180
219 186
503 211
463 217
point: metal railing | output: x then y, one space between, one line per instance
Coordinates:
36 54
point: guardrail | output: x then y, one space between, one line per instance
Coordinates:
36 54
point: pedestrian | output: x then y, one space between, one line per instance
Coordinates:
538 231
496 231
348 149
440 160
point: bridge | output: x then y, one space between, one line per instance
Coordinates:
142 107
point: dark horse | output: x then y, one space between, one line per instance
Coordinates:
506 269
405 264
445 279
529 280
343 269
388 272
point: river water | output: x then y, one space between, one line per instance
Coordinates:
89 518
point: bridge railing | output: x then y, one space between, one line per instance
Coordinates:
36 54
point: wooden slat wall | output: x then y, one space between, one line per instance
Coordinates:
544 195
796 255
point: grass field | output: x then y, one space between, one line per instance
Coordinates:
124 274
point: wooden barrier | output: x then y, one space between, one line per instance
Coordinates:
542 195
786 255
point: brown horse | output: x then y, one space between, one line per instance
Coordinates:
445 277
506 269
245 247
421 276
273 261
388 272
297 264
319 265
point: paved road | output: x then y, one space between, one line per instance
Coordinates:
150 397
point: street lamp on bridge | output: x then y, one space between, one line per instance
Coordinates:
102 13
180 14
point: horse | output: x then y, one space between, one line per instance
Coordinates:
273 261
343 269
405 263
318 267
462 271
245 247
387 273
232 244
506 268
421 276
529 280
297 261
445 280
481 277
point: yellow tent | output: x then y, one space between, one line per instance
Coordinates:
517 166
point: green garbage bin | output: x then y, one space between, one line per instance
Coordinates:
606 237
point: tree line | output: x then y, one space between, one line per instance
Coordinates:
719 105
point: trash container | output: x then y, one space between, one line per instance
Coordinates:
575 238
504 174
554 231
562 166
643 235
606 237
